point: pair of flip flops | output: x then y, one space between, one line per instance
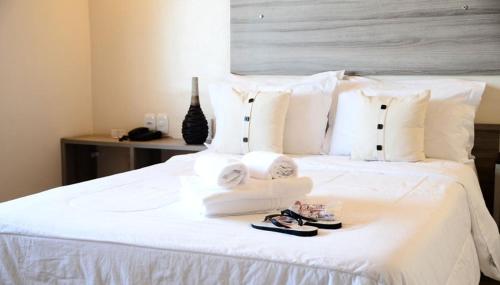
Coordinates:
293 223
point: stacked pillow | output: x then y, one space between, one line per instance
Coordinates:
449 122
249 120
431 118
389 128
306 117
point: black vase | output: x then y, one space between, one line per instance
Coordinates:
195 125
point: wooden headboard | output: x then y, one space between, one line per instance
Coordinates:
486 151
396 37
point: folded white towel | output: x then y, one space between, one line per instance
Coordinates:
248 207
253 197
269 165
219 171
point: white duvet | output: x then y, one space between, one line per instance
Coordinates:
404 223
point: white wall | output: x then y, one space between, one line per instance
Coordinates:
44 89
144 54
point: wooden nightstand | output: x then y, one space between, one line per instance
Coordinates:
88 157
486 144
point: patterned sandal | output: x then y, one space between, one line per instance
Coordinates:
314 215
286 225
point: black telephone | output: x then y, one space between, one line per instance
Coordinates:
141 134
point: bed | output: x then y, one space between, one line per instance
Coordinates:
404 223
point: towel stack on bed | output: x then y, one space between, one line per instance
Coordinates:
261 181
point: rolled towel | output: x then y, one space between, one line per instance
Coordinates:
269 165
219 171
253 197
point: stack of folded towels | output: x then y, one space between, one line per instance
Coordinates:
259 182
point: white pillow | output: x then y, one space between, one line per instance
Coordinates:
248 121
279 80
390 128
339 143
450 117
449 126
310 101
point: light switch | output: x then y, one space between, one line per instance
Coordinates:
162 123
150 121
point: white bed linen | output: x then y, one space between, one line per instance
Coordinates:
404 223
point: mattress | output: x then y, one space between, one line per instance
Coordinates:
404 223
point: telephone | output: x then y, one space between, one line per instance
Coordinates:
141 134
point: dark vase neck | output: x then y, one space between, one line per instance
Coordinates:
195 95
195 100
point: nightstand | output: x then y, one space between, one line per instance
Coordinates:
485 151
88 157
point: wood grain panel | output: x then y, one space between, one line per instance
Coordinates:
365 37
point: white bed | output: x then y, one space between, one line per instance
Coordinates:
404 223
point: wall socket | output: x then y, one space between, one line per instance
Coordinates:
150 121
162 123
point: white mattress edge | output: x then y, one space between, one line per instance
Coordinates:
57 239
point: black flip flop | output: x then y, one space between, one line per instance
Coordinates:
322 224
286 225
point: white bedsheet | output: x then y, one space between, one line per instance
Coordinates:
404 223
